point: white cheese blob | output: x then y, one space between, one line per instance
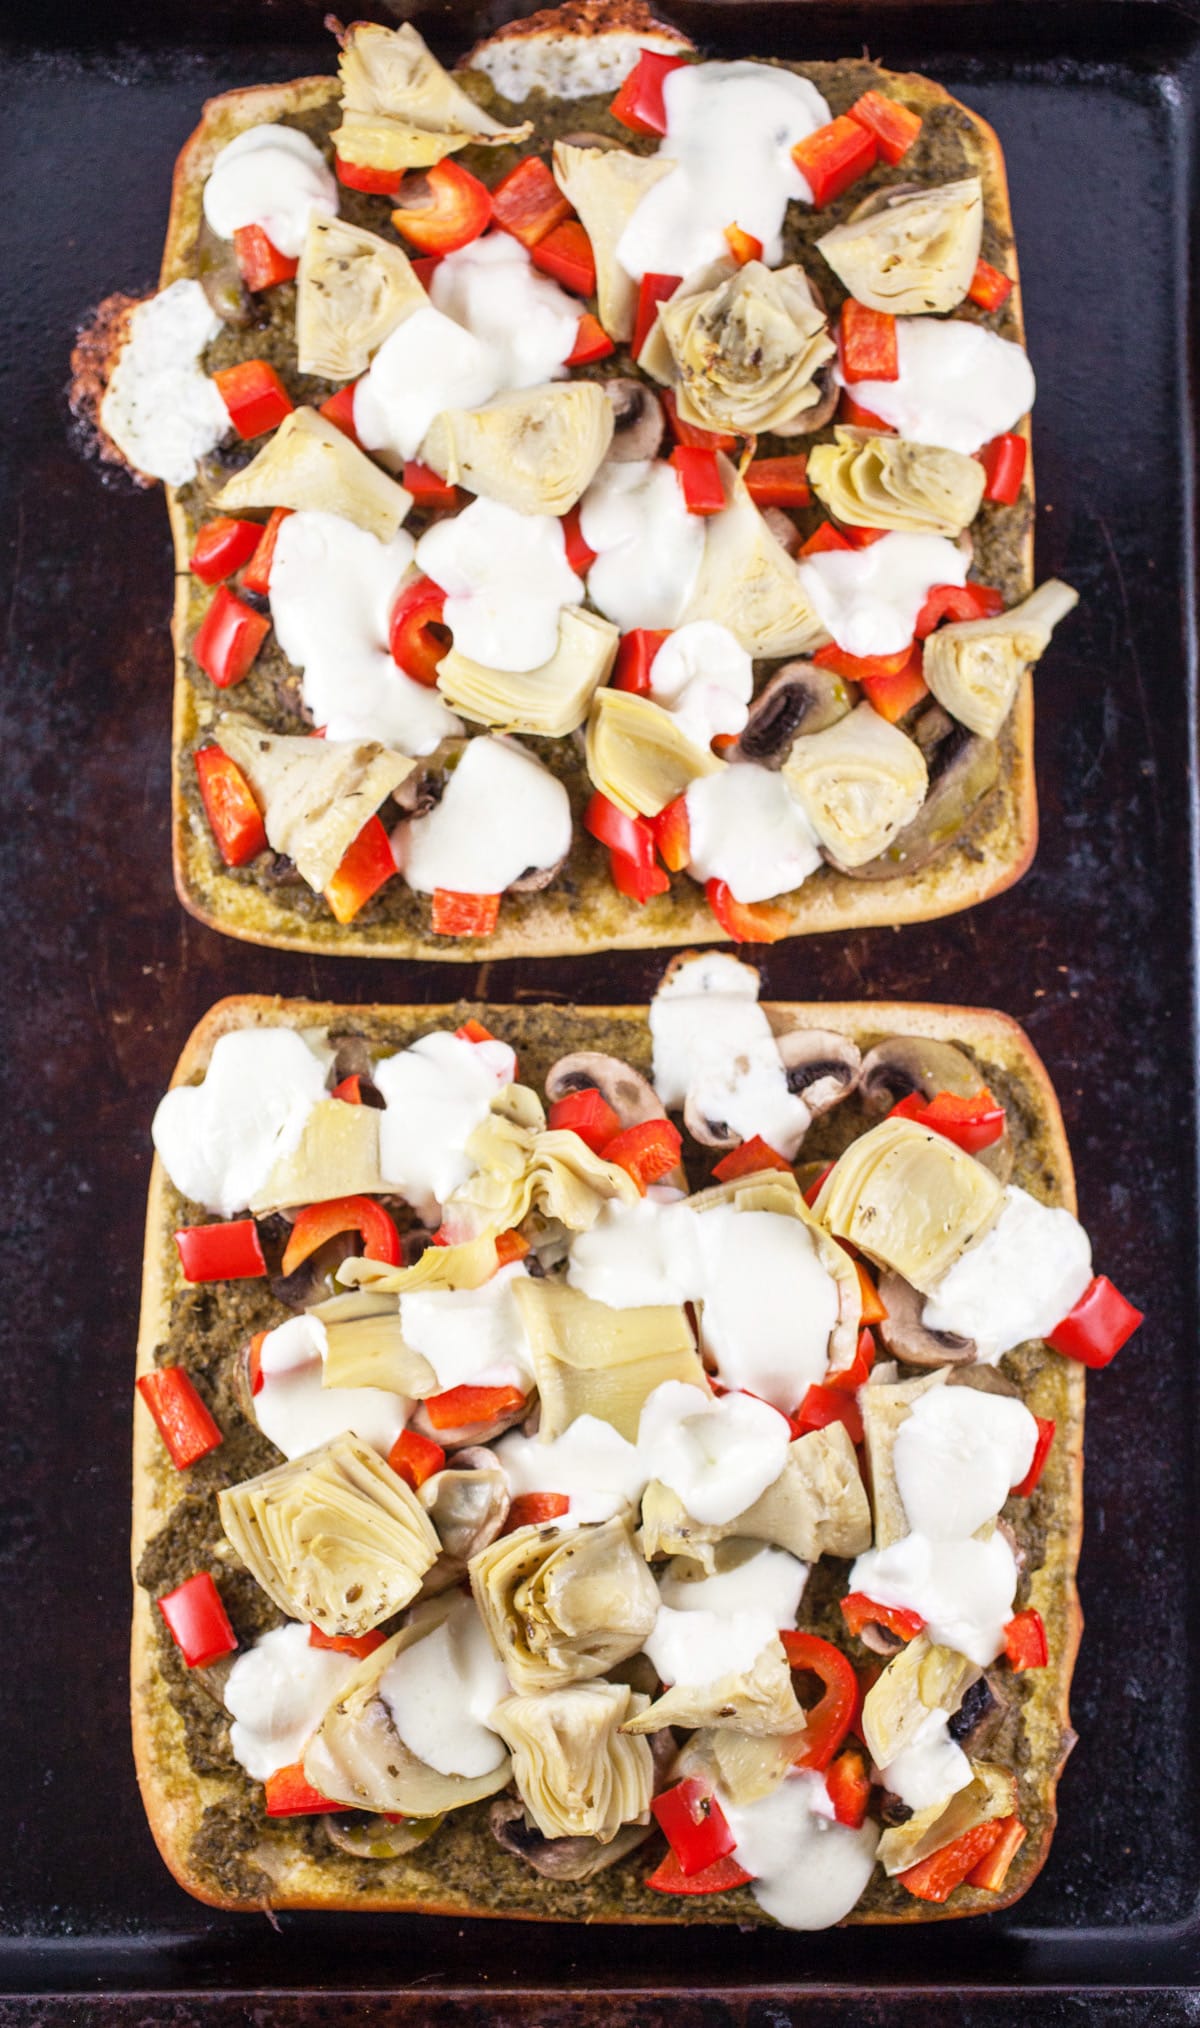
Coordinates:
219 1141
713 1042
931 1769
700 1646
436 1093
506 579
703 676
273 177
471 1336
636 1255
717 1455
964 1591
1017 1282
501 814
767 1581
731 128
959 385
277 1693
494 291
769 1305
298 1413
957 1455
159 408
869 599
591 1462
747 829
808 1869
427 364
333 587
564 65
442 1691
648 547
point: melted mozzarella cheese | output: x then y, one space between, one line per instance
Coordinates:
591 1462
808 1869
441 1692
964 1591
471 1336
769 1305
639 1254
957 1455
747 829
502 814
648 547
869 599
717 1455
273 177
959 385
930 1770
436 1093
565 65
768 1581
218 1141
700 1646
703 676
159 408
527 322
277 1693
506 579
713 1042
1017 1282
429 363
333 587
298 1413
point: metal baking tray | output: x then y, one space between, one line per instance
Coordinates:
103 976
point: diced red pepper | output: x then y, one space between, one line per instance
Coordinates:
424 268
867 342
373 182
427 487
358 1645
365 867
823 1405
873 1308
746 922
639 105
257 575
579 556
989 288
673 834
748 1159
566 256
474 1031
260 263
694 1824
182 1420
849 1787
511 1245
848 1379
630 836
198 1621
634 880
703 492
415 1458
828 1722
856 417
742 245
339 410
957 602
289 1793
815 1188
834 157
992 1870
1004 462
670 1878
233 815
1025 1641
463 1407
528 202
779 482
895 127
935 1878
320 1222
1100 1323
863 538
859 1611
447 208
592 342
635 659
221 1253
228 639
222 547
349 1090
691 433
859 668
463 915
652 290
824 538
647 1151
254 1362
973 1124
533 1510
893 697
588 1114
254 395
418 636
1041 1451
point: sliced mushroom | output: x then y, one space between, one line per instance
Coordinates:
962 771
632 1098
880 1639
822 1066
220 278
985 1380
892 1811
981 1713
799 698
904 1064
537 878
907 1338
1019 1556
638 420
468 1503
365 1835
558 1858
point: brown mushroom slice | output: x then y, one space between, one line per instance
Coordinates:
904 1064
962 770
822 1066
538 878
468 1502
363 1835
907 1338
638 420
559 1858
220 278
631 1096
799 698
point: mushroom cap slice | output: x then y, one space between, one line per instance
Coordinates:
352 289
468 1502
903 1064
310 464
606 185
315 794
563 1604
974 667
822 1065
576 1772
535 448
551 700
638 754
816 1507
400 109
885 482
592 1360
907 1338
799 698
748 583
909 1199
631 1096
912 251
559 1858
638 420
759 1700
859 782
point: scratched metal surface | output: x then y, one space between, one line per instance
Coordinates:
103 976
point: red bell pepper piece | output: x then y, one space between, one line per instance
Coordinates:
528 202
823 1405
824 538
349 1090
935 1878
856 417
260 263
228 639
859 1611
588 1114
418 636
373 182
670 1878
989 288
1025 1641
746 922
320 1222
463 915
1100 1323
873 1308
635 659
257 575
895 127
415 1458
1004 462
863 538
222 547
358 1645
511 1245
860 667
474 1031
691 433
815 1188
634 880
533 1510
828 1722
579 556
992 1870
254 395
427 487
630 836
647 1151
957 602
848 1379
743 245
365 867
639 105
703 492
834 157
694 1824
233 815
849 1787
652 290
893 697
182 1420
592 342
462 1407
254 1362
1041 1451
221 1253
673 835
779 482
198 1621
289 1793
867 342
339 410
971 1123
748 1159
566 256
447 208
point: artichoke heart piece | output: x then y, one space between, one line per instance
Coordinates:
744 1766
536 448
759 1701
308 464
334 1537
520 1169
910 1200
400 109
871 481
913 252
639 756
859 783
748 582
883 1411
816 1507
563 1604
991 1793
352 290
590 1360
552 700
921 1679
467 1265
742 346
315 794
606 185
577 1773
364 1346
337 1156
973 667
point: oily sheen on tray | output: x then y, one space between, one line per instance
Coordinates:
619 460
611 1464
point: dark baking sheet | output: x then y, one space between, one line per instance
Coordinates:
103 976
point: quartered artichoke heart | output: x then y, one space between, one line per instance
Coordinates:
912 251
883 1411
782 1196
352 290
590 1360
310 464
551 700
859 782
400 109
921 1679
744 1766
747 581
816 1507
535 448
639 756
606 185
365 1346
973 667
315 794
577 1773
742 346
337 1156
910 1200
522 1168
990 1794
334 1537
885 482
564 1604
759 1701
